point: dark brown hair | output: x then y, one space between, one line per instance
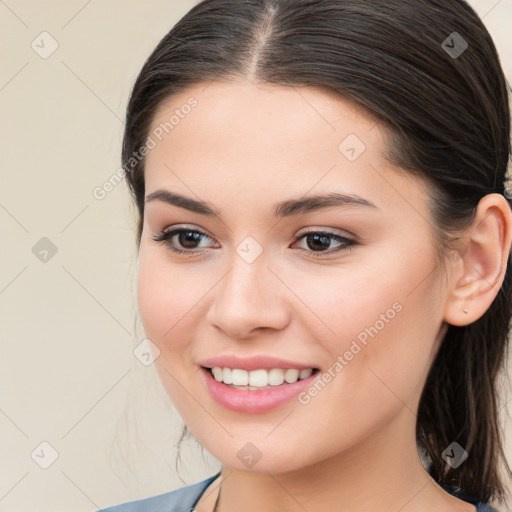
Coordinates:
429 71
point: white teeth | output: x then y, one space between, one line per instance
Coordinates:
226 376
291 375
275 377
239 377
259 378
218 373
304 374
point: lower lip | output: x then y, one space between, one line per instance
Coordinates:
253 401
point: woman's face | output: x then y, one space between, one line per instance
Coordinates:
363 303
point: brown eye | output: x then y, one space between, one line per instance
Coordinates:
186 240
320 242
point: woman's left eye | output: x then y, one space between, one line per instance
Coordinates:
188 239
322 238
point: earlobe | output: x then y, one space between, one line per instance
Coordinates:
460 307
477 276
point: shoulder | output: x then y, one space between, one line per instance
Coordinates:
479 506
182 500
483 507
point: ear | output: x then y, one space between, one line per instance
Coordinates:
477 274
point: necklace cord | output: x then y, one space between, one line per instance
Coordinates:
216 506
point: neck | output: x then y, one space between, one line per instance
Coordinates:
382 472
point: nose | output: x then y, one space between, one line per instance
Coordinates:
249 299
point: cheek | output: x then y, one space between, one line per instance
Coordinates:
168 300
378 325
167 297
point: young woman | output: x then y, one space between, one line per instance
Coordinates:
324 252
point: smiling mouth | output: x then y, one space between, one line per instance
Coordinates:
261 379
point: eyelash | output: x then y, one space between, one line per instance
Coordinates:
165 236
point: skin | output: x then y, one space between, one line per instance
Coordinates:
352 447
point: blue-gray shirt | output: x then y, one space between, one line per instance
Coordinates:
186 498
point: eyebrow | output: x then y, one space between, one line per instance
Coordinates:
287 208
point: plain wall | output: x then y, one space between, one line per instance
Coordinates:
68 375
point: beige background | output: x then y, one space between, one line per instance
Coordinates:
68 376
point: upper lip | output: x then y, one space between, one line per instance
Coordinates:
252 363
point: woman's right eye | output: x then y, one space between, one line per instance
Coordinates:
187 238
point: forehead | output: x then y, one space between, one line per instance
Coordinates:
267 115
247 120
266 141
